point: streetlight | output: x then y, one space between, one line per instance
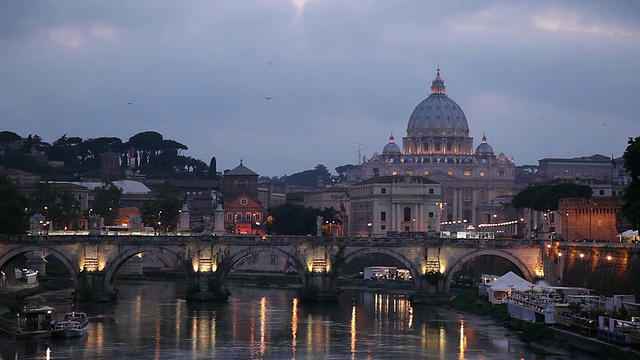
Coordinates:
369 225
567 225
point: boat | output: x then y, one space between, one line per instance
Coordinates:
74 324
34 322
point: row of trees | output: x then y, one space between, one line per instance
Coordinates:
152 153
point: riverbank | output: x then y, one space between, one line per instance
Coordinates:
468 302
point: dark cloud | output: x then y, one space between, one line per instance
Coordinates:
538 78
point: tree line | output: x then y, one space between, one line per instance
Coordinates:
147 151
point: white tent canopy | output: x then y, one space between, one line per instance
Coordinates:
508 282
628 235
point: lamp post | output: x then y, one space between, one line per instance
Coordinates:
369 225
566 222
590 212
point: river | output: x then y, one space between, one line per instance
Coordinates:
152 320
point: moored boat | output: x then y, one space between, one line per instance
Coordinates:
74 324
35 322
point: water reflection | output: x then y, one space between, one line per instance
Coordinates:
151 322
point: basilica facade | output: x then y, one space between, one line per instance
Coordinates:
438 146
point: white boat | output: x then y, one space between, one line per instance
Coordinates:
74 324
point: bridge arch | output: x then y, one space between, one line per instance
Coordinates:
238 256
415 273
20 250
114 265
505 255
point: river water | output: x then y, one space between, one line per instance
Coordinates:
151 320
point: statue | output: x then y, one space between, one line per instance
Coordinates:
35 224
318 225
96 223
135 223
206 220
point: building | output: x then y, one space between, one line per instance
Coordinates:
389 205
592 219
597 166
244 215
240 181
438 146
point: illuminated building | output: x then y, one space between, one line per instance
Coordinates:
438 147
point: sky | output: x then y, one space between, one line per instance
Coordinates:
285 85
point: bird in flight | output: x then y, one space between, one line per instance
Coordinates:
128 103
268 97
605 124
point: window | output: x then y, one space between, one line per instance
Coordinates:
430 191
430 214
229 216
383 216
426 172
467 173
247 217
256 217
407 214
481 172
383 227
383 190
394 172
601 192
450 172
500 172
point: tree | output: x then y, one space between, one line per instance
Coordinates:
163 213
631 194
13 219
545 197
8 136
292 219
57 205
310 177
107 203
213 169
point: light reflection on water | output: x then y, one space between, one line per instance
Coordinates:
151 322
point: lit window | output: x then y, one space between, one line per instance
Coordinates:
467 173
426 172
409 172
481 172
450 172
394 172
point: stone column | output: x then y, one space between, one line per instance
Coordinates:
218 221
184 219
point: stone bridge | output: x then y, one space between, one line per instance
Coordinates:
94 261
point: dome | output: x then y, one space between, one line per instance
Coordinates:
484 148
438 114
391 148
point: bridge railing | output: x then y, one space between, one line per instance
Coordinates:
283 239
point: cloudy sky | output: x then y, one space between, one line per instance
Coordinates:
539 78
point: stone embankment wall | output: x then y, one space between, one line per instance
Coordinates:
609 269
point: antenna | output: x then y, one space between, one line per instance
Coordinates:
360 148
